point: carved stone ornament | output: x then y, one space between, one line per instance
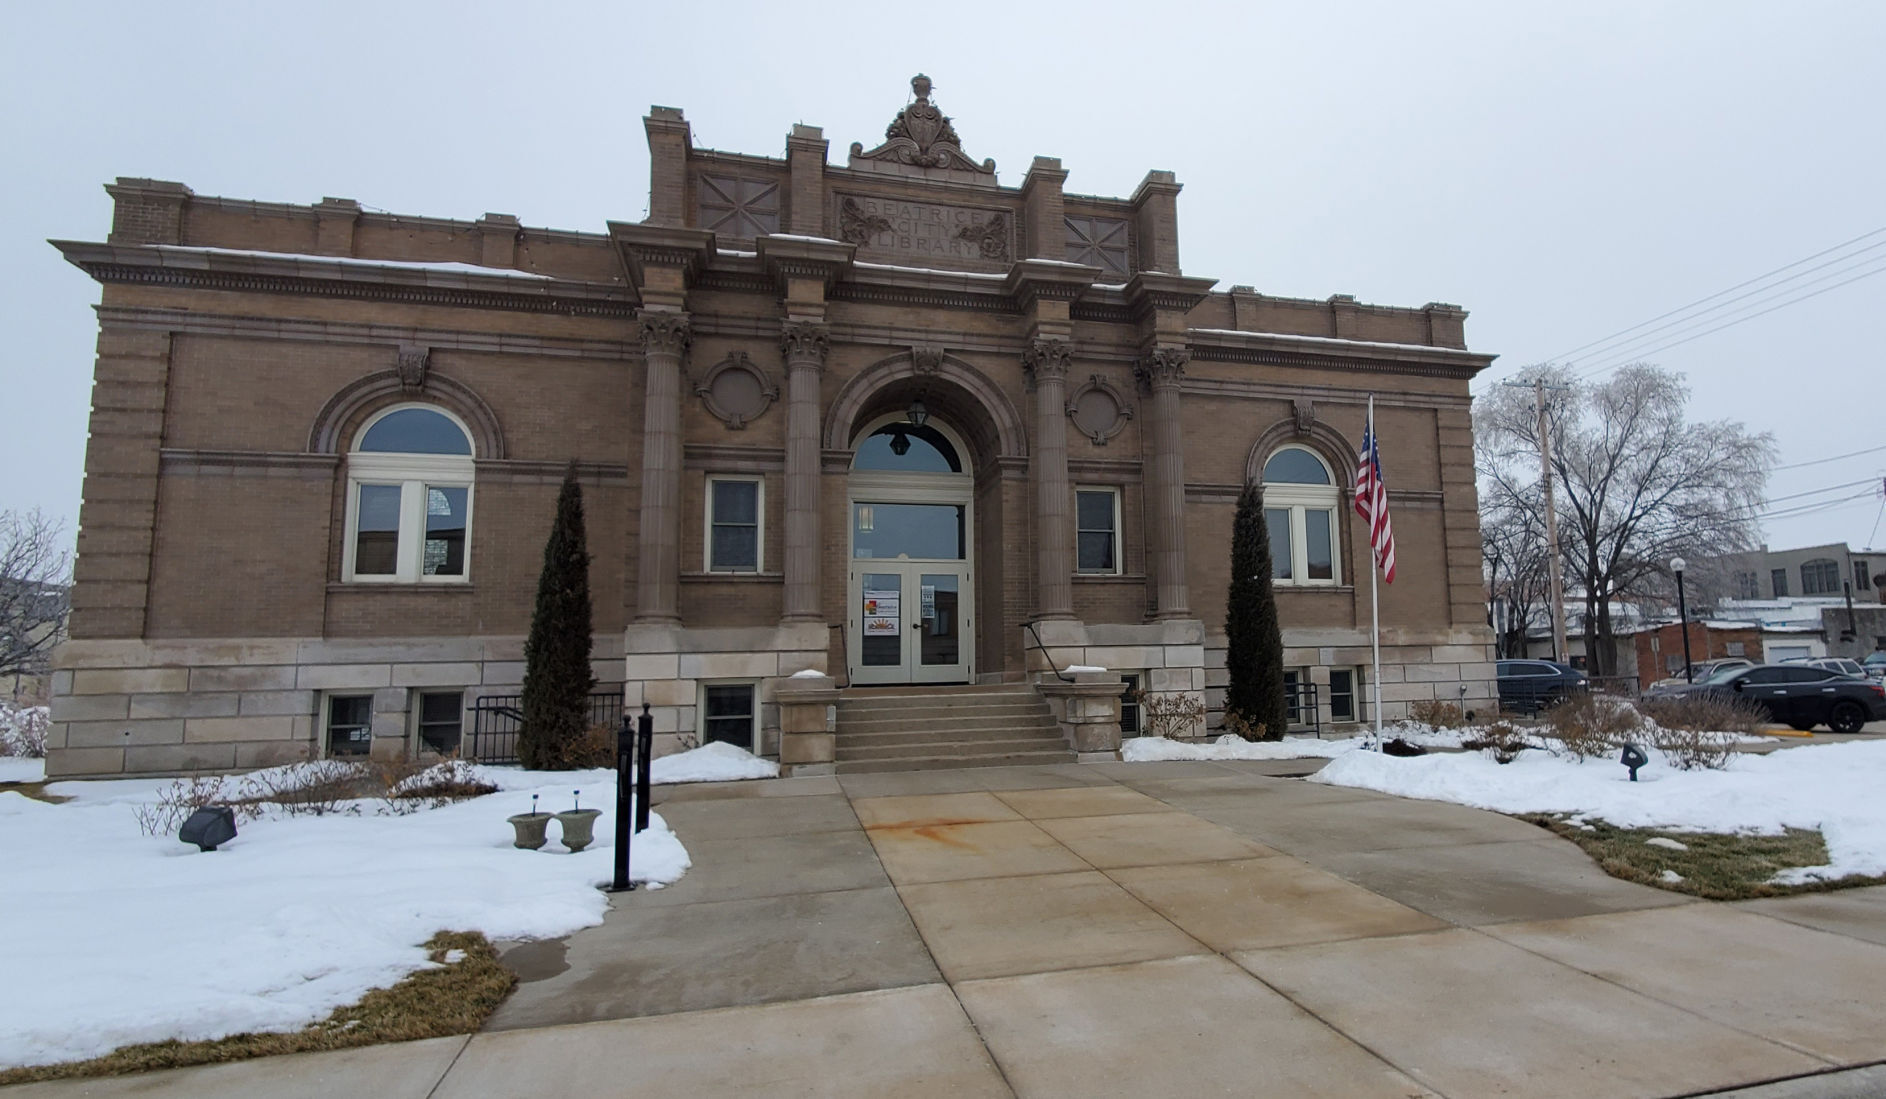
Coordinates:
410 363
1098 409
855 226
1162 366
1303 410
921 136
990 238
927 358
735 391
805 343
666 333
1046 359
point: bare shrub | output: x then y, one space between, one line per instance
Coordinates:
596 747
1590 724
23 730
1437 714
1501 741
1707 713
177 801
316 788
1173 715
1246 730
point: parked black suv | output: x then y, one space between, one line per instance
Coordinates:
1794 694
1529 686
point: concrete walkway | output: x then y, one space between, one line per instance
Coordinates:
1150 929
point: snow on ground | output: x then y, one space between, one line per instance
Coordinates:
1831 787
114 937
1152 749
714 761
18 769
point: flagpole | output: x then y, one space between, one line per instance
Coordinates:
1375 611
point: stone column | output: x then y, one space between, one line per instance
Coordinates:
1161 371
1046 361
805 345
665 339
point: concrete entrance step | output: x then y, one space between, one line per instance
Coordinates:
1038 729
926 749
889 721
944 763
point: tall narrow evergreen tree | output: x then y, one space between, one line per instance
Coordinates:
1255 646
557 678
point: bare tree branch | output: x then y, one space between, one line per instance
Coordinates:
35 591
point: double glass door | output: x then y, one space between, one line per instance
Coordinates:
909 620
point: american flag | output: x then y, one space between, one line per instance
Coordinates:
1372 500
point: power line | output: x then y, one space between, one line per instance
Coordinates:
1835 458
1818 491
1779 285
1731 324
1631 349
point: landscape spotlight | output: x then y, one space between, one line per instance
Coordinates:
1633 758
209 826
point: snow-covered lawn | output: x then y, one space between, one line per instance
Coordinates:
1152 749
1834 788
18 769
112 937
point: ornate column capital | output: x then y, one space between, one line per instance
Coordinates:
665 333
805 343
1047 360
1162 367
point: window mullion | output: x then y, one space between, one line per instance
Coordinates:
412 521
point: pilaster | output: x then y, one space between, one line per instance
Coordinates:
497 240
669 142
805 345
334 222
1046 362
1156 221
1160 371
665 339
806 153
1046 219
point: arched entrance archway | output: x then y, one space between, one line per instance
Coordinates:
911 507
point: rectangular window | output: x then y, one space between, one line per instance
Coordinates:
1779 577
1322 560
728 714
733 522
1734 648
349 725
1129 704
446 509
441 721
1277 521
1097 529
922 532
1861 581
1342 694
376 543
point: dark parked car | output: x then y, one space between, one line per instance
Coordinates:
1532 685
1794 694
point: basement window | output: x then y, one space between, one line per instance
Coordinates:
730 713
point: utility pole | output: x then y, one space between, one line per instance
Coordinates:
1554 578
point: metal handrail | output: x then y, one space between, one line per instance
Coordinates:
1058 673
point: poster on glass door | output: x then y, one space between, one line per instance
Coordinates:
880 612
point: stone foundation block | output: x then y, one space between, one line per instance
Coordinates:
129 681
342 677
205 730
798 749
652 666
123 734
280 678
181 757
741 665
670 692
191 704
1407 692
90 707
441 675
77 762
273 753
504 673
276 703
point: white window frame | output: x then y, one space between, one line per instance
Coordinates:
1355 694
1300 500
759 525
1119 554
327 711
700 710
414 474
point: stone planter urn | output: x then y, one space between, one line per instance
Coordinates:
579 827
532 829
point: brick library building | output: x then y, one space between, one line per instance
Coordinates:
860 447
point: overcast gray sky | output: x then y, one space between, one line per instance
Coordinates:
1562 171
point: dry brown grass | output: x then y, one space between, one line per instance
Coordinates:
455 998
1440 715
1715 866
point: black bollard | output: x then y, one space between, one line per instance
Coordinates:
644 765
625 790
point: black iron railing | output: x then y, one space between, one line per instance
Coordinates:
497 719
1300 707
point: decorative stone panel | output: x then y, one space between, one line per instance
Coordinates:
1099 409
736 391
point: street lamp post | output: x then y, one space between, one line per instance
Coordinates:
1683 615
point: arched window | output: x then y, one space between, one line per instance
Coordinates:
409 499
1301 502
905 447
1820 576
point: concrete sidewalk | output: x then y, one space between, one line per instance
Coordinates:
1140 928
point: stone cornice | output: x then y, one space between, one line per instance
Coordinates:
1033 280
645 246
1269 349
790 257
343 332
1148 291
177 461
403 283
